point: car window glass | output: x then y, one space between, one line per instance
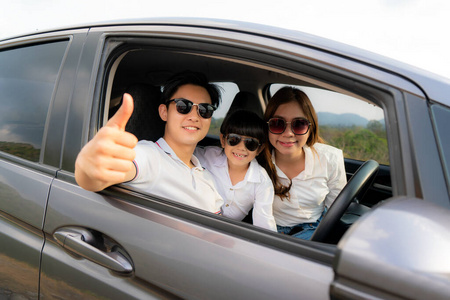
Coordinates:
348 123
27 80
228 91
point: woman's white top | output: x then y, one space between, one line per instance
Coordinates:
314 188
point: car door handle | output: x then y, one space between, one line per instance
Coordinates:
83 242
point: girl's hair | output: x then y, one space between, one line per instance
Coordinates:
244 122
283 96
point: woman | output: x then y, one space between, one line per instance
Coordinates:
307 175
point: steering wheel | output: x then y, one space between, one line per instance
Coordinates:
358 185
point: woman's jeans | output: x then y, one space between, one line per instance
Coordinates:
302 231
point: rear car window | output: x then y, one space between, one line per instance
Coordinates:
27 81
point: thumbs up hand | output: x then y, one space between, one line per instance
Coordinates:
108 158
120 119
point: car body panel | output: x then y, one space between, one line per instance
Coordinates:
27 205
441 116
431 183
21 220
20 255
167 251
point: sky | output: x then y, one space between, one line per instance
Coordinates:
411 31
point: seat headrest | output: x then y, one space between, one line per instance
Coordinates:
246 101
145 122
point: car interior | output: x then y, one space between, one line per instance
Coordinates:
248 79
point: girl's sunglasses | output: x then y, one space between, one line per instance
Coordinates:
299 126
184 106
234 139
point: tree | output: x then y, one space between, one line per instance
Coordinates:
376 127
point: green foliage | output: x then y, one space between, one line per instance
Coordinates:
377 128
358 142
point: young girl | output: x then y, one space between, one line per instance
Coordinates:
307 174
240 180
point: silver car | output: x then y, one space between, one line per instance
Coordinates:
389 237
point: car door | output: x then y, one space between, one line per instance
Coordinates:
29 75
121 243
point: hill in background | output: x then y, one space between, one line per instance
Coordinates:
344 120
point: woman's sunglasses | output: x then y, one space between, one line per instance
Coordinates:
250 143
184 106
299 126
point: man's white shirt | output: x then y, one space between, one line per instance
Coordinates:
160 172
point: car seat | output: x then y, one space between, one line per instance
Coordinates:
145 122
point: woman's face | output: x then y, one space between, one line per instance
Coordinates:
288 143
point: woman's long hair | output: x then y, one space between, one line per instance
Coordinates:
283 96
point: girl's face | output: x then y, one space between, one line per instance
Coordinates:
238 155
287 143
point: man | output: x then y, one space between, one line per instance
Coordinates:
168 167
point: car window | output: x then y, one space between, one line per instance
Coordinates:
27 80
355 126
142 70
228 91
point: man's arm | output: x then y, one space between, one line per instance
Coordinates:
108 158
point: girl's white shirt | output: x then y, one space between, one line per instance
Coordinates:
255 191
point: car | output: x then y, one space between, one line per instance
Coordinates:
57 240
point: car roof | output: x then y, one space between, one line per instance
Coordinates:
435 87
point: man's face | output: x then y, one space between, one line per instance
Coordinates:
190 128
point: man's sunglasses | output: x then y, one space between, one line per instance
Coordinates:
234 139
299 126
184 106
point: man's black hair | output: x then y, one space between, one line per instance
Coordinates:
194 78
